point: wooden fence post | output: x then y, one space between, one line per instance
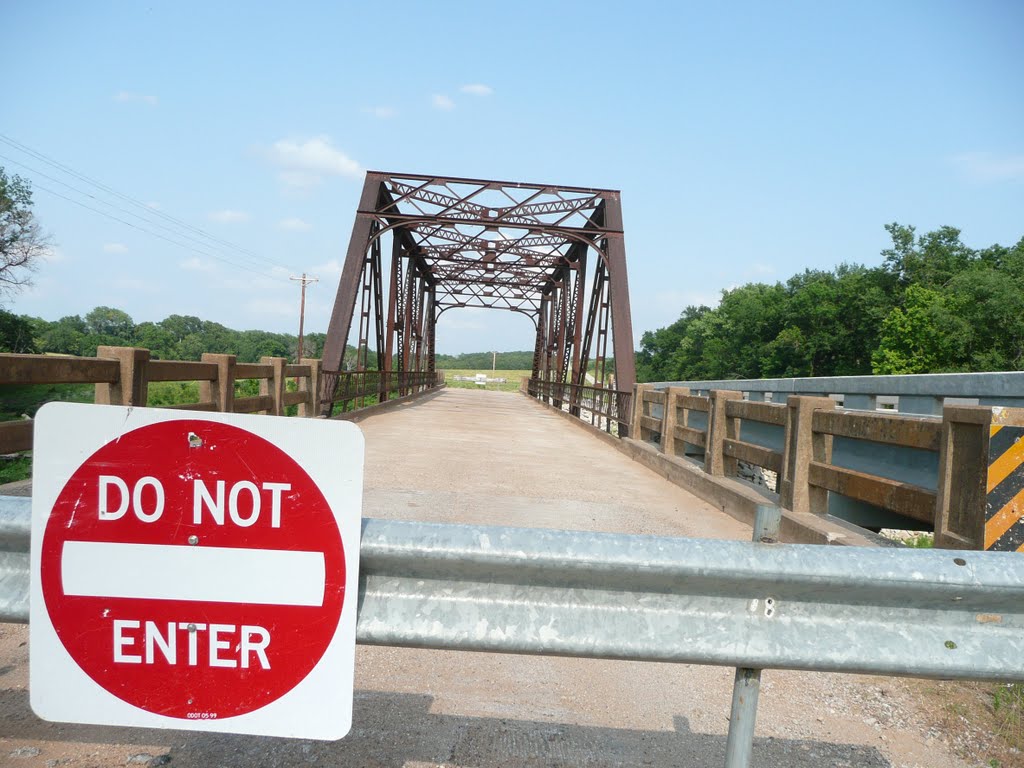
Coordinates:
720 426
220 392
274 386
310 408
963 474
132 386
804 445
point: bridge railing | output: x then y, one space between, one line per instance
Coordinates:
352 390
795 441
922 394
122 376
606 409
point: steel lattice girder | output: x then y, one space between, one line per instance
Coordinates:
477 243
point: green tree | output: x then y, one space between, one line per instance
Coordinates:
931 260
63 337
107 321
924 335
22 242
16 334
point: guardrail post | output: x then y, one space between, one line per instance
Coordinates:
747 685
275 385
804 445
671 420
222 391
311 386
132 386
720 427
963 473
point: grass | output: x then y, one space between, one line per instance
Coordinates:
511 383
1008 706
15 468
921 541
17 400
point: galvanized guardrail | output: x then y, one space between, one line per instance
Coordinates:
921 613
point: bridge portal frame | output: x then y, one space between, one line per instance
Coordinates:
458 242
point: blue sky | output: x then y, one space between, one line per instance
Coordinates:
750 140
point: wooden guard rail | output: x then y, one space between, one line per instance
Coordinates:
806 474
122 376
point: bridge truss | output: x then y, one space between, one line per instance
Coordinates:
424 245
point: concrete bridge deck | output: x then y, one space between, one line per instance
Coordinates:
500 458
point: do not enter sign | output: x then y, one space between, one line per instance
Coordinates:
194 571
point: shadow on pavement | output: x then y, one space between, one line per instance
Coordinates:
392 730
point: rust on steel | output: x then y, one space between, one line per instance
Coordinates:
424 245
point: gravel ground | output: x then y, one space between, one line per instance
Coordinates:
498 458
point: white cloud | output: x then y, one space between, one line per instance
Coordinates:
272 307
304 163
294 224
440 101
381 113
195 264
477 89
987 167
331 268
228 216
464 319
135 98
115 248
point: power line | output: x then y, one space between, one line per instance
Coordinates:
154 234
91 196
127 198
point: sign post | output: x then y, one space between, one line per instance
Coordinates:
194 571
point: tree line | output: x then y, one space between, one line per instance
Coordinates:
178 337
933 305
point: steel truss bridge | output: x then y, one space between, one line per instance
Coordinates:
424 245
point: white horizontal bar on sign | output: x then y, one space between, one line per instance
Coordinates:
201 574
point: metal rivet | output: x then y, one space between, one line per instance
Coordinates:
959 561
193 539
191 627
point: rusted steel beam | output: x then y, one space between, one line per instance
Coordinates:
459 242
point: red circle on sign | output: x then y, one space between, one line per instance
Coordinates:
198 655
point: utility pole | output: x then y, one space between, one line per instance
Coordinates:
494 360
303 281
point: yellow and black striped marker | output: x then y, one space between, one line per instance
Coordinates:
1004 507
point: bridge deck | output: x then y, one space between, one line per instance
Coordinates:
496 458
486 457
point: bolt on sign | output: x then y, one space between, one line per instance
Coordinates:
194 571
1004 508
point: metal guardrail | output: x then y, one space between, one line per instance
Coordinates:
917 393
607 409
360 389
921 613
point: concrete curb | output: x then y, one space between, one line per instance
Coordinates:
373 410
